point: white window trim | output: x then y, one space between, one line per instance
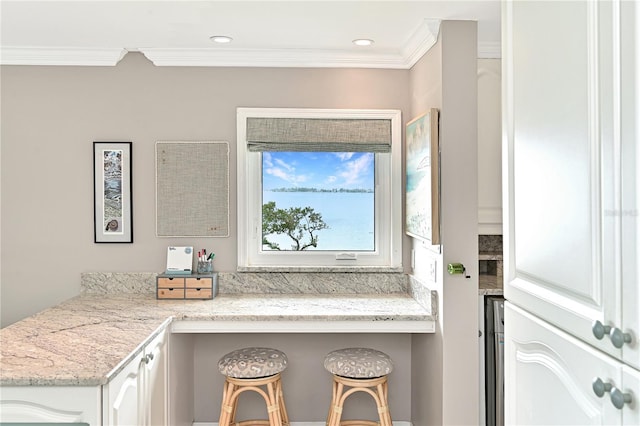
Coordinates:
386 258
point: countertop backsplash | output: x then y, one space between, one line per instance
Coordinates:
256 283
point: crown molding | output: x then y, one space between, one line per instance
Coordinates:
295 58
418 44
423 39
425 36
68 56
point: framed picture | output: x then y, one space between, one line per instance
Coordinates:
423 178
112 192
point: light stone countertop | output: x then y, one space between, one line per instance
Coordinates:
87 340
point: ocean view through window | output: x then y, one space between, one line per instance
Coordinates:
319 190
336 188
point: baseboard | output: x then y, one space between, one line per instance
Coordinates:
297 423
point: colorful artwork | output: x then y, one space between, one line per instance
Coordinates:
422 184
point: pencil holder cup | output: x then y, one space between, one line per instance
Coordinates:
205 267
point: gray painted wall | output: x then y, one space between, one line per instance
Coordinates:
52 115
446 388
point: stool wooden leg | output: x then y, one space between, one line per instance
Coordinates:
383 407
273 409
376 388
284 416
272 395
335 411
227 410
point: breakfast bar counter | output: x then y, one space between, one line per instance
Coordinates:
86 340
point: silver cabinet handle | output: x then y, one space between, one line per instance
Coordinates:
618 338
150 356
600 387
599 329
619 398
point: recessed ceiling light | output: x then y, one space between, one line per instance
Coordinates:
221 39
363 42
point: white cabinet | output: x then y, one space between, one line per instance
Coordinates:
572 167
123 395
571 108
137 395
50 404
155 389
557 379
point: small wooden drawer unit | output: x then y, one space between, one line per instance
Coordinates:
200 286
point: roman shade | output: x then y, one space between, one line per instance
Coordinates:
318 134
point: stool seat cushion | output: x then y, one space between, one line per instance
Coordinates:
358 363
252 363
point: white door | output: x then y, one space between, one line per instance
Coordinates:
124 395
156 373
552 376
630 392
630 174
562 71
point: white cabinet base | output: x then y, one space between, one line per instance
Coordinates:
550 375
57 404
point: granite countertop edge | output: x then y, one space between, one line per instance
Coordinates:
65 345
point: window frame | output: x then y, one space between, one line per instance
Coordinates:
387 255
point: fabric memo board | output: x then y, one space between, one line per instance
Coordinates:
192 189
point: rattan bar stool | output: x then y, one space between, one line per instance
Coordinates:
358 370
257 370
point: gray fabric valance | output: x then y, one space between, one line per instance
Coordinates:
318 134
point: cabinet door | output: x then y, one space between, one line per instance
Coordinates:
50 405
156 374
562 190
630 210
124 395
551 376
631 387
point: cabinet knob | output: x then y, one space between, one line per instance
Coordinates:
600 387
618 338
148 358
619 398
599 329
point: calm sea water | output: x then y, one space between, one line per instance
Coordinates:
350 218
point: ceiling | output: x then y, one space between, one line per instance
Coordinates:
296 33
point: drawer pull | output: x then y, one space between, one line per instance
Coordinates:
599 329
619 398
618 338
600 387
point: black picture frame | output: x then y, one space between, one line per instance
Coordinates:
112 192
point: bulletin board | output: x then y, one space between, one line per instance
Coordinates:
192 189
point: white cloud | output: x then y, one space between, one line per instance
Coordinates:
285 165
354 171
266 158
344 156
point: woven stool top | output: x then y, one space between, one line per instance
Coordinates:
358 363
252 363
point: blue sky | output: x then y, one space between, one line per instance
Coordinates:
322 170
